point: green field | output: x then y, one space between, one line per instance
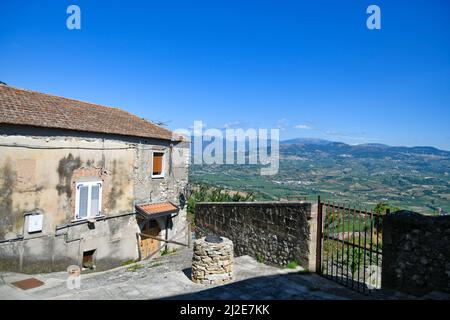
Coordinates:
418 182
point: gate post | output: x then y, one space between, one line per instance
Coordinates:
319 237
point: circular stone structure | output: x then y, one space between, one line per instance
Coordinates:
212 262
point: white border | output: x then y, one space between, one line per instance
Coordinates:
77 198
163 169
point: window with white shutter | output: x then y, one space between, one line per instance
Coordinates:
88 200
83 200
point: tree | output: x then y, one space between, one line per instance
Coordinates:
382 208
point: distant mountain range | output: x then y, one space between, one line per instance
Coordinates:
314 141
367 150
415 178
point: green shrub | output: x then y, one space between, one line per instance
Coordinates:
168 251
260 258
292 265
212 194
128 262
134 268
381 208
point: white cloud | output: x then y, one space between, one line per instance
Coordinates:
335 133
282 124
302 127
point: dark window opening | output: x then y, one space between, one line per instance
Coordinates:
152 224
88 259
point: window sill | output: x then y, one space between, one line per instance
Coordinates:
158 177
88 218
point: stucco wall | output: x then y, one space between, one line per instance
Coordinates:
35 179
39 169
114 241
273 232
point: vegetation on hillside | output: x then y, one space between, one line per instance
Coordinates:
203 193
417 179
383 207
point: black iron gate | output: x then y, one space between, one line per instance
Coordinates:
349 246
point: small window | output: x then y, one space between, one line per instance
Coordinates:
88 200
158 165
88 259
152 224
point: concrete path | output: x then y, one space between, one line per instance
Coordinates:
168 277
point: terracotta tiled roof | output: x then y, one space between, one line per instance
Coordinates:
151 209
24 107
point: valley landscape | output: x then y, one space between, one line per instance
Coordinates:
414 178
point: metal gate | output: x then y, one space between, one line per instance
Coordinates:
349 246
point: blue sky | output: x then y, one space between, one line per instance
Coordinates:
312 68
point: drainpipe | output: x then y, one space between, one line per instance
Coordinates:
171 159
167 231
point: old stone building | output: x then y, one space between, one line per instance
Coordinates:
84 184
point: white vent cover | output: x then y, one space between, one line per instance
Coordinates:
35 223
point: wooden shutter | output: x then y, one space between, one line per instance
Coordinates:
157 163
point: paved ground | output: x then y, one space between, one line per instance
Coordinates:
168 277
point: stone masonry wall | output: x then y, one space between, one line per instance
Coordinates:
212 263
272 232
416 253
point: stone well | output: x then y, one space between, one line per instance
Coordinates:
212 262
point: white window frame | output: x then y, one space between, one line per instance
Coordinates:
163 168
89 184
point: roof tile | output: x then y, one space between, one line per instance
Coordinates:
156 208
24 107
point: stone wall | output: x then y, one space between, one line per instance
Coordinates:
416 253
271 232
212 263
